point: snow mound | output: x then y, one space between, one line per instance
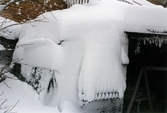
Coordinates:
9 29
69 108
85 46
101 75
85 50
21 98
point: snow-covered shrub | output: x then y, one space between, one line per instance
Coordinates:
39 78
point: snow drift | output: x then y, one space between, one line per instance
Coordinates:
86 48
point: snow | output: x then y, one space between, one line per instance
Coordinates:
2 47
95 49
9 29
141 3
2 7
86 49
101 66
26 97
124 57
154 19
69 108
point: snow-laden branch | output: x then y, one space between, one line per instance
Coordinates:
5 69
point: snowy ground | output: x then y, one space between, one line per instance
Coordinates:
19 97
86 34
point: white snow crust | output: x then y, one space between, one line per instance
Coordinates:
146 19
88 60
9 29
28 100
86 47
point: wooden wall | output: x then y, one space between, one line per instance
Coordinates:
23 11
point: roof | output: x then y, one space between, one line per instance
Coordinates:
146 20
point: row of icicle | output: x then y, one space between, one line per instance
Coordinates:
101 96
157 40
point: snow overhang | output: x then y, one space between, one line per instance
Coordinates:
146 20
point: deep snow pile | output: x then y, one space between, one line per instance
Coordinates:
146 19
9 29
21 98
86 48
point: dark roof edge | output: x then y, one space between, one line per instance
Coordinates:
148 32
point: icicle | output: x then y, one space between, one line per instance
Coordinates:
95 97
149 41
106 88
120 93
80 96
99 96
144 41
84 97
106 97
111 95
160 42
103 96
153 40
156 43
116 96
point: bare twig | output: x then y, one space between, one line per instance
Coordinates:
137 2
53 15
19 23
14 78
3 102
7 65
14 105
5 70
7 85
23 45
9 26
7 108
1 93
3 22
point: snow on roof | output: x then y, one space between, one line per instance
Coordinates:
91 36
84 36
146 19
139 2
9 29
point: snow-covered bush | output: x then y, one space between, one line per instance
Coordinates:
39 78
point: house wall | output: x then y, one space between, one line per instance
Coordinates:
159 2
147 50
22 11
